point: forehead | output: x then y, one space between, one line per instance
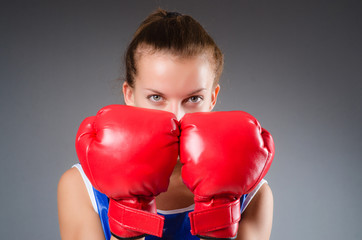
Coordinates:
168 72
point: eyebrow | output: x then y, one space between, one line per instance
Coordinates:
196 91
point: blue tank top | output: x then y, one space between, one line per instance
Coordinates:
176 226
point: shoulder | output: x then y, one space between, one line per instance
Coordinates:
69 177
75 210
263 200
72 194
71 185
258 216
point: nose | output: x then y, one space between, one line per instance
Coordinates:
176 109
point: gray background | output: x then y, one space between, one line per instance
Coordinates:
295 65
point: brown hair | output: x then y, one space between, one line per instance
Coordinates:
173 32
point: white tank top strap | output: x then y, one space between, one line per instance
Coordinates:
88 186
250 196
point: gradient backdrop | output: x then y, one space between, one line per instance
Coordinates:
295 65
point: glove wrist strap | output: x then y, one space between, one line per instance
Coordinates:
215 218
134 220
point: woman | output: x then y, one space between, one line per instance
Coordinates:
172 64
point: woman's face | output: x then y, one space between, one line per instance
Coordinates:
170 83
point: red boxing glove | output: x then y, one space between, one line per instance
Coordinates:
129 153
224 155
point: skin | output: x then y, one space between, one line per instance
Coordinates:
173 84
178 85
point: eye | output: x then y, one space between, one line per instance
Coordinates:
195 99
155 98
